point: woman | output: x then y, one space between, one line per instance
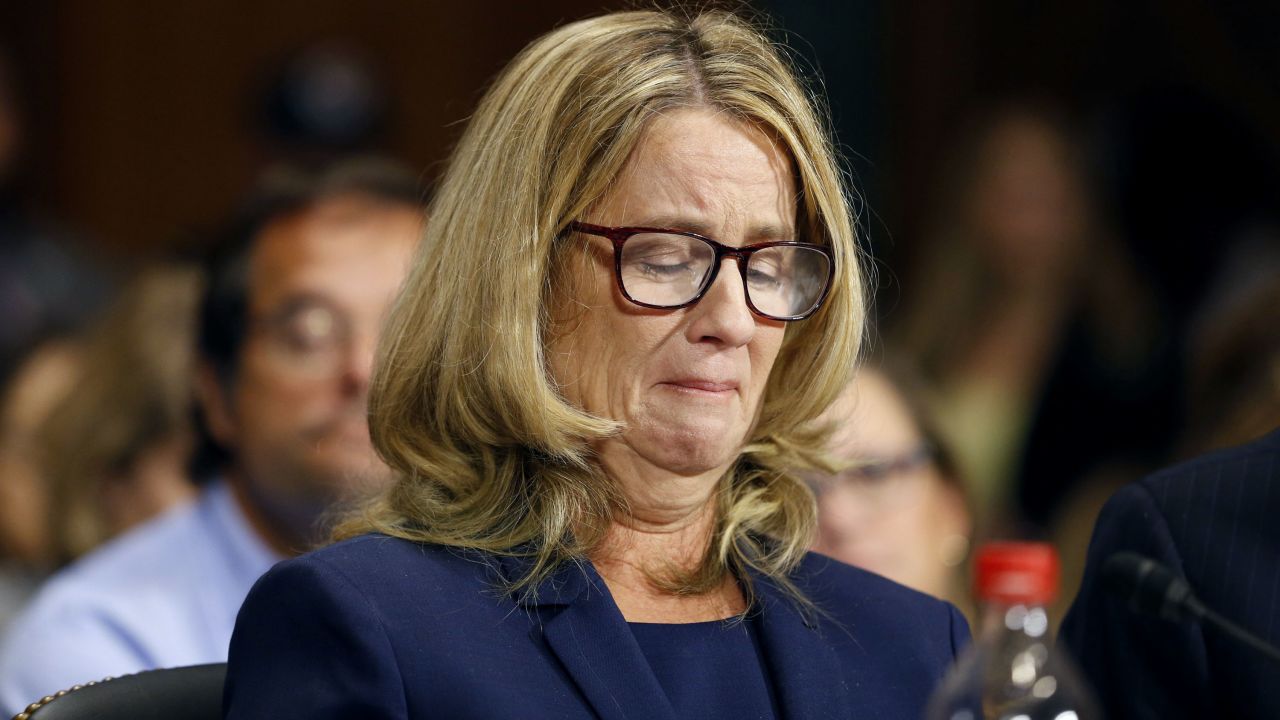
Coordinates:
590 403
117 446
1028 318
899 507
28 395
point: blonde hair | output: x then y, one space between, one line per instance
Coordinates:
132 395
488 453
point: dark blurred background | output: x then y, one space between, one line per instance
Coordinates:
1134 147
140 118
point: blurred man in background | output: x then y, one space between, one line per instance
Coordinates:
287 331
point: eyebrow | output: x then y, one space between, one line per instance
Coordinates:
766 231
297 300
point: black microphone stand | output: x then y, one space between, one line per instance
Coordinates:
1150 588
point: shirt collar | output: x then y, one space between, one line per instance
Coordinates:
248 553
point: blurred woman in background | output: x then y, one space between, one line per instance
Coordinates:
34 387
897 507
1034 330
115 450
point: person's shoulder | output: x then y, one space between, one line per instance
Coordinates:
375 554
104 614
125 567
381 567
826 580
855 597
115 583
1253 459
892 637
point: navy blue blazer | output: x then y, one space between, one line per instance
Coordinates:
377 627
1216 520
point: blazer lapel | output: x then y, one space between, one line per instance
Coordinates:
591 639
807 675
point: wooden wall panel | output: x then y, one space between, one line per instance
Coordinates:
153 127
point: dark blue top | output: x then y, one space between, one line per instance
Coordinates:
379 628
712 670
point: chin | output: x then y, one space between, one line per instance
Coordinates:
349 468
692 452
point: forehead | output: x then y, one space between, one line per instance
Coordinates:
872 418
340 246
704 170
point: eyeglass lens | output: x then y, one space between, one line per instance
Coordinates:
308 337
668 270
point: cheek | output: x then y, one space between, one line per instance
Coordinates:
576 364
601 345
764 351
268 400
937 517
833 515
910 527
602 366
846 512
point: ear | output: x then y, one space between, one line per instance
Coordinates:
216 405
955 515
954 522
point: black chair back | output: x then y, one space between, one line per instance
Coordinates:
185 693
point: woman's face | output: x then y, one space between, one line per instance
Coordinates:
686 383
899 523
1027 200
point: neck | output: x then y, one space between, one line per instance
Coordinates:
647 543
275 534
659 499
665 531
668 518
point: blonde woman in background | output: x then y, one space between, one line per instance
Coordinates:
115 451
31 391
639 285
95 431
897 505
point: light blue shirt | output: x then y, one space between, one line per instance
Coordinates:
165 594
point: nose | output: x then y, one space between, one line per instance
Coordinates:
359 364
722 315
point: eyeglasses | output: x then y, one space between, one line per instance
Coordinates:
877 481
308 336
668 269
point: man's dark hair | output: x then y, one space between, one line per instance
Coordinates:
281 191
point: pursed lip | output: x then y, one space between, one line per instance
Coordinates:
703 385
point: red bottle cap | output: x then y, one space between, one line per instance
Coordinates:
1012 573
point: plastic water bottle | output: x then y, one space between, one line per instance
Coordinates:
1012 671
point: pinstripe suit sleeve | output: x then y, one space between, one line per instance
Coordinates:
1139 667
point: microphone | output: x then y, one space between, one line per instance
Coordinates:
1150 588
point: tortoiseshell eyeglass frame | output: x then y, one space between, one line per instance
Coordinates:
619 236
